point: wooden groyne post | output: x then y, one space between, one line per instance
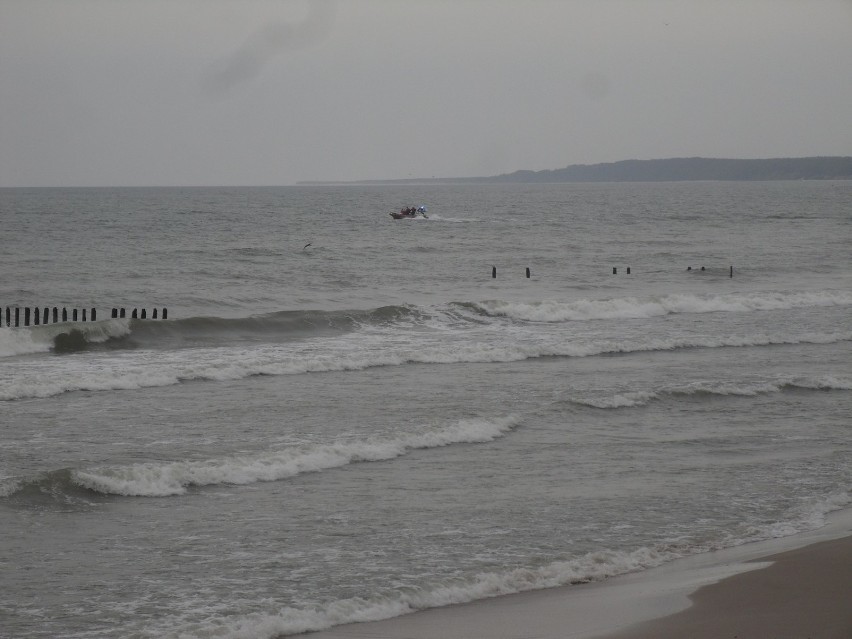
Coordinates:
36 316
494 272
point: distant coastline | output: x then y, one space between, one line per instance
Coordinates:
667 170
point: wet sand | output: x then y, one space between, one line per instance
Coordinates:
791 588
803 594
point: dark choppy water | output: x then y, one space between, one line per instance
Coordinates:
373 424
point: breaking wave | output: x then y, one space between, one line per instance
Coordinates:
745 389
60 337
188 333
589 567
286 326
162 479
151 368
639 308
127 354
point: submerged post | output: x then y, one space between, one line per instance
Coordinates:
614 270
493 271
528 272
732 270
628 270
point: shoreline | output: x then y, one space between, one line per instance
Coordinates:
801 593
792 587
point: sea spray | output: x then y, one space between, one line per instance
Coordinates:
43 338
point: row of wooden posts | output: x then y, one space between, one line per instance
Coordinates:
494 271
614 271
17 316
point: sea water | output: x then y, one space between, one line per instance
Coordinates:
346 417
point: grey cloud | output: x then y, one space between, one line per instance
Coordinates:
272 40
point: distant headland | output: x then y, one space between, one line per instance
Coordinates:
668 170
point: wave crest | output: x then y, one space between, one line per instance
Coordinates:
173 478
697 389
636 308
63 337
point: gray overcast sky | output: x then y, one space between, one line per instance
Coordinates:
234 92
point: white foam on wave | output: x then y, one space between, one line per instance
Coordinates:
289 621
807 516
824 382
9 486
743 389
128 370
751 389
173 478
593 566
16 341
620 400
638 308
39 339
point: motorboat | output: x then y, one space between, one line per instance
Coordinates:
410 213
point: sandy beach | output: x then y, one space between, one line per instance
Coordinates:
804 593
792 588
